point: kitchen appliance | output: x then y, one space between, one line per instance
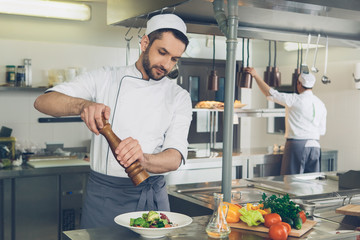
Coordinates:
275 76
346 180
246 78
213 81
240 71
280 20
324 78
313 68
268 71
356 75
304 66
296 73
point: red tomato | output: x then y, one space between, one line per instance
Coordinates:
271 219
302 216
288 227
278 232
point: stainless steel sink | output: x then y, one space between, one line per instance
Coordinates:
319 203
239 194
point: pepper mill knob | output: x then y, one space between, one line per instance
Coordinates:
135 171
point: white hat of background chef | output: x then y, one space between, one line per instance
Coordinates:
165 21
307 80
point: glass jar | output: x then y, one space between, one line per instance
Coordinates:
217 226
20 76
10 74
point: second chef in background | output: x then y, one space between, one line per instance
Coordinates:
305 122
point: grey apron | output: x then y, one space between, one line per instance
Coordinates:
300 159
108 196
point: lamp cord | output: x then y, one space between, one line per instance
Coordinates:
269 54
243 49
213 52
248 52
275 54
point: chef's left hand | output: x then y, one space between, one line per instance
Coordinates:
128 151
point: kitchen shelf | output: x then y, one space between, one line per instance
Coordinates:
266 112
23 89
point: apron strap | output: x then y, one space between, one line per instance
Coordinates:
151 193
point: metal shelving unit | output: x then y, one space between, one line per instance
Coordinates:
23 89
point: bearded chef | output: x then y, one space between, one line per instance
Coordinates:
148 111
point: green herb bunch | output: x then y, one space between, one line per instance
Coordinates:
281 205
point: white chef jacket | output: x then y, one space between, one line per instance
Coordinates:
156 113
305 114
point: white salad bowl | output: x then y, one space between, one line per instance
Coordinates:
177 219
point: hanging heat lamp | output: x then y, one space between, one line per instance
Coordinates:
296 73
241 70
246 78
267 73
275 79
213 80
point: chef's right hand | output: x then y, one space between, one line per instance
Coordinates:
251 71
91 114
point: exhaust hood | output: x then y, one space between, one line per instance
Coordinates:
278 20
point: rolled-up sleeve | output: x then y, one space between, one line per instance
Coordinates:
177 133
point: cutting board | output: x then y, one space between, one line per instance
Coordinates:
350 209
57 163
309 224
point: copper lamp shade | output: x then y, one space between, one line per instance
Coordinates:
244 79
213 81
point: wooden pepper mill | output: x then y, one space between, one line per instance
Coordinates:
135 171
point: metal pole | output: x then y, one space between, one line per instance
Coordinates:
231 44
229 28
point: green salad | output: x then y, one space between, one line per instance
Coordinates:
151 219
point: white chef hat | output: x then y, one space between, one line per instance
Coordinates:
307 80
165 21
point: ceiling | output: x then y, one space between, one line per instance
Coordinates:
278 20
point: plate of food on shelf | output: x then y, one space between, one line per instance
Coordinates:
217 104
278 216
153 224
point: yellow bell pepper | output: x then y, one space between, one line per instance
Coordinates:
259 207
233 214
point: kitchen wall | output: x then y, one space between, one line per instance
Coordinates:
54 44
58 44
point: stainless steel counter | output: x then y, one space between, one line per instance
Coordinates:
38 203
28 171
196 231
250 190
205 165
318 188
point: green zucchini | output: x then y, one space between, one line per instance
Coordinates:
289 221
298 223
